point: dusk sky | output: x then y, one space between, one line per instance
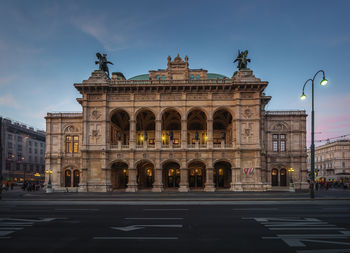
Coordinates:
46 46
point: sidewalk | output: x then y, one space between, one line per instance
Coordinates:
19 194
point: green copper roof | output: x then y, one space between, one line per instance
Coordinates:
209 76
214 76
140 77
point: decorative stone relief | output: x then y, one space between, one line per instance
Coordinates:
197 155
95 134
119 155
144 155
95 97
247 113
95 114
70 129
247 133
279 127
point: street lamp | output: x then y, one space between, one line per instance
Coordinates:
312 147
49 185
291 183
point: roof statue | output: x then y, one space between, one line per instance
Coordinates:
102 62
242 59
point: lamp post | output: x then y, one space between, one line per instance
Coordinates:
312 147
49 185
291 183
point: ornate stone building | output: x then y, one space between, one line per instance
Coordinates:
175 129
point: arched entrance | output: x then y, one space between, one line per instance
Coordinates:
119 175
171 127
120 127
197 127
145 174
71 177
196 174
274 177
145 128
222 127
222 175
76 178
283 177
171 175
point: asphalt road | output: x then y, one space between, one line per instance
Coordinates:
241 226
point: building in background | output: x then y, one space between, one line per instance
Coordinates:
176 129
332 160
23 151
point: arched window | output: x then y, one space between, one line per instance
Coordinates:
67 178
76 178
198 77
163 77
192 77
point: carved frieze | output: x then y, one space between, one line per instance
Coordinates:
95 114
119 97
222 96
171 96
246 95
145 97
95 134
94 97
197 96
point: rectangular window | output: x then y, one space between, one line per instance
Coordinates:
75 144
20 157
35 151
9 145
282 136
9 136
19 138
283 146
19 147
30 150
41 144
35 144
41 151
30 143
68 144
18 166
275 146
275 136
30 158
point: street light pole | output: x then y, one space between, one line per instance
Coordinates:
49 185
312 147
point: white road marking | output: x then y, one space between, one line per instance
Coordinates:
179 209
135 227
135 238
153 218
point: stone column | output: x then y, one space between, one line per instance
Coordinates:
132 184
83 180
108 183
210 133
209 184
158 136
183 134
158 183
236 183
132 141
183 180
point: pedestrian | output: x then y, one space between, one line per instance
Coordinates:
12 186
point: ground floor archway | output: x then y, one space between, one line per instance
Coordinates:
171 175
279 177
71 177
196 175
222 175
283 177
119 175
274 177
145 174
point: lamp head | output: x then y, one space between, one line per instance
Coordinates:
303 96
324 81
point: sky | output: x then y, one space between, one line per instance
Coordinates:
47 46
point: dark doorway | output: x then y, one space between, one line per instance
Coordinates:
171 175
274 177
196 174
76 178
67 178
119 175
145 174
283 177
222 175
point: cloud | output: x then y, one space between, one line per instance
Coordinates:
8 101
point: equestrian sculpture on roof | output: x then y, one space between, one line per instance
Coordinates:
102 62
242 59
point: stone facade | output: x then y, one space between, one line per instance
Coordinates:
176 129
332 160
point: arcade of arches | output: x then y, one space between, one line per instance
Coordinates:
172 176
172 128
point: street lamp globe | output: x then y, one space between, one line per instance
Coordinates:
303 96
324 82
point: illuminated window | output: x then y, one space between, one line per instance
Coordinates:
68 144
75 144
